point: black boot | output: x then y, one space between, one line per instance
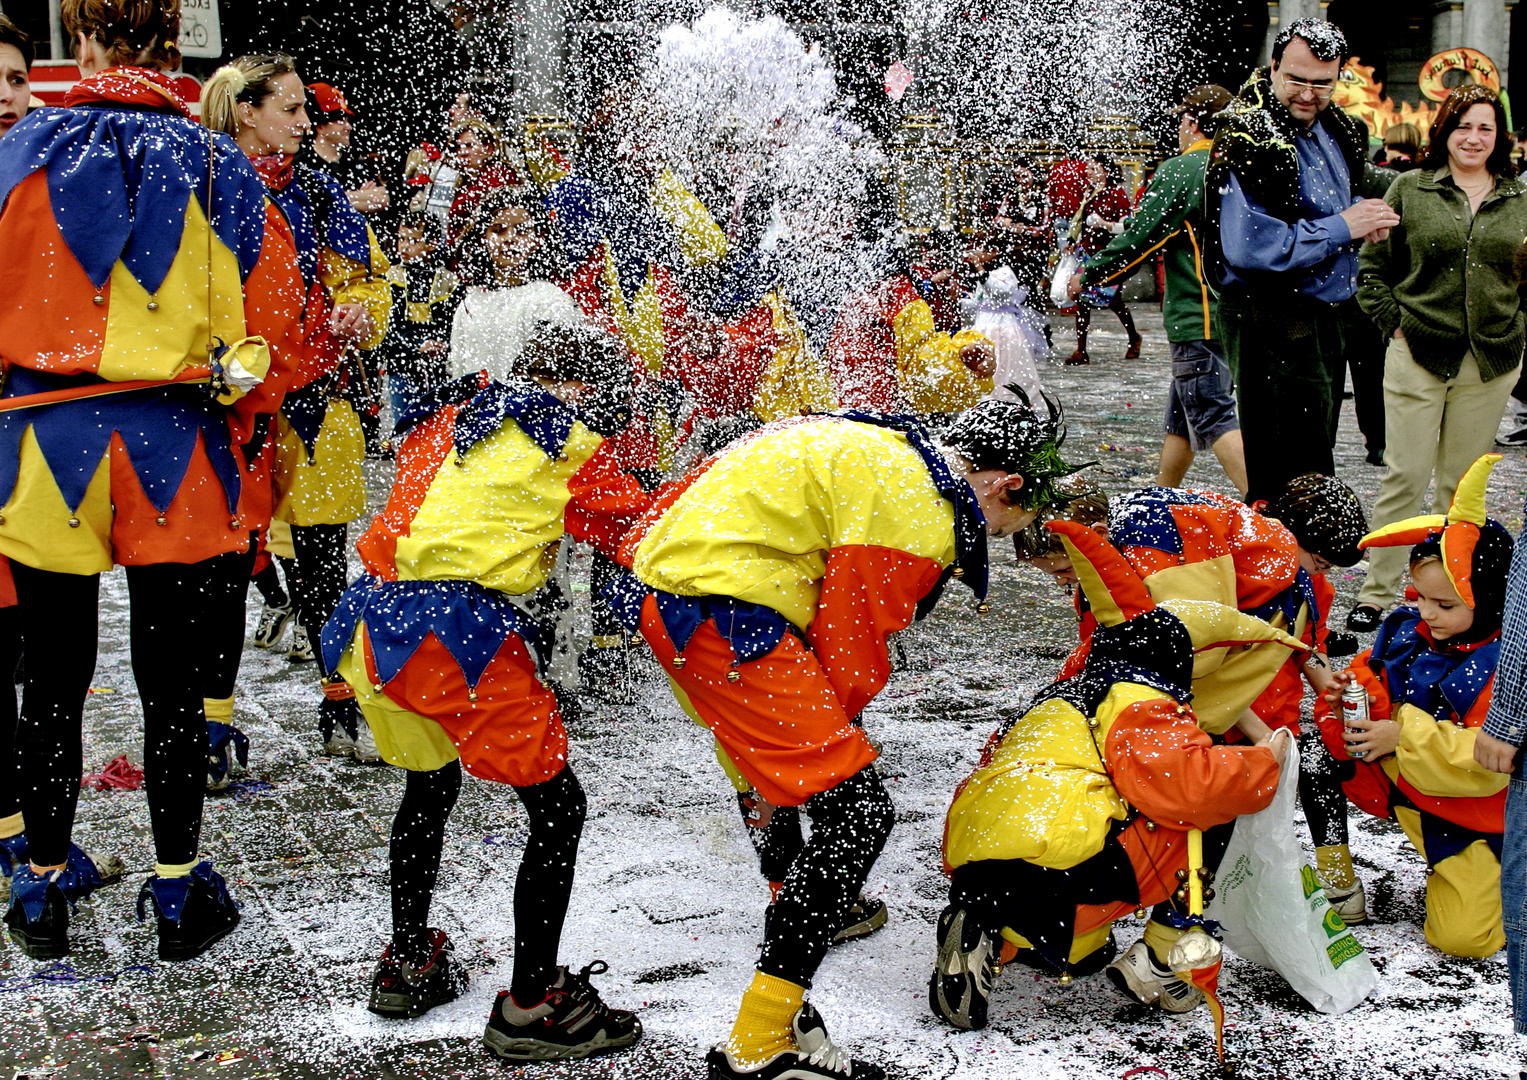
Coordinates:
193 912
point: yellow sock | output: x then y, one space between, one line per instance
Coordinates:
218 708
165 870
1333 866
11 826
763 1022
1160 938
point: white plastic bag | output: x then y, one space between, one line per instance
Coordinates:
1275 913
1002 315
1065 268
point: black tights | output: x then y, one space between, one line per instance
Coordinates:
10 656
849 825
1117 306
227 593
60 620
321 574
268 581
556 808
777 843
1325 804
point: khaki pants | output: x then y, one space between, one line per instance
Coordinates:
1430 426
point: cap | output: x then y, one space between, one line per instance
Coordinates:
328 101
1324 515
1203 102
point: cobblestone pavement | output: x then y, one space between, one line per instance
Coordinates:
667 891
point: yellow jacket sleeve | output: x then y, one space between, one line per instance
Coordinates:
930 372
350 282
1436 757
701 241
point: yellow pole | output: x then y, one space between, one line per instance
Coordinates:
1195 863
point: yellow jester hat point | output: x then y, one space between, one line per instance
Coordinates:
1459 527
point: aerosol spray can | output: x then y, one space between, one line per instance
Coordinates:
1354 706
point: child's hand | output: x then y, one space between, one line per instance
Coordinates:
1369 740
760 811
433 348
1335 688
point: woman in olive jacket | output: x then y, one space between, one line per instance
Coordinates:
1442 287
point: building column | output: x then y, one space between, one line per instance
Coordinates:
540 60
1486 25
1282 12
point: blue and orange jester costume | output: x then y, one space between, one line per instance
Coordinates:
144 286
1449 805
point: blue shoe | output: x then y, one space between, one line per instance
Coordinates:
38 916
193 913
227 754
13 853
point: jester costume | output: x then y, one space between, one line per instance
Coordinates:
1080 811
145 287
448 668
1450 806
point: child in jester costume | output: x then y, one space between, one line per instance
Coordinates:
1429 678
1085 809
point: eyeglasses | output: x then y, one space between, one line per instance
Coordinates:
1299 86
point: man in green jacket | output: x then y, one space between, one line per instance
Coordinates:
1200 410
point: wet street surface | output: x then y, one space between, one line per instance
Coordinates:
668 891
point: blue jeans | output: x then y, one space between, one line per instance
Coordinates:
1513 896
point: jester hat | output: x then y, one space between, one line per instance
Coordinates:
1135 633
1475 551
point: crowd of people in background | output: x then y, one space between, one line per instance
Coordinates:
780 426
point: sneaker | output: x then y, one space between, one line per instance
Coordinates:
864 918
1515 437
339 744
813 1055
301 651
1138 976
193 913
365 751
967 967
339 726
573 1022
40 904
1350 903
1364 618
227 755
272 625
402 993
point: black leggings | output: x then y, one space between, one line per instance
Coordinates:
556 809
227 593
168 624
10 656
321 574
268 581
1325 804
849 825
777 843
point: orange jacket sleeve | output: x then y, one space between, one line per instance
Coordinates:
1162 764
868 593
605 502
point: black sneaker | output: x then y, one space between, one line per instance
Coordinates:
573 1022
401 992
1364 618
967 967
864 918
193 913
814 1055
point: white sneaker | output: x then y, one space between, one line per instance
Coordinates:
272 624
301 651
339 744
1139 977
1351 903
365 751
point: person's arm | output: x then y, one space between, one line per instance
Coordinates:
1254 239
361 294
605 502
1381 262
1157 219
1505 724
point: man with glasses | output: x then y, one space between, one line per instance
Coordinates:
1285 186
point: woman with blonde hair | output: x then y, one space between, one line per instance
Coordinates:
140 296
319 444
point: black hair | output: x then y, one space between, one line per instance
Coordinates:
588 355
1325 516
1324 39
474 264
432 227
1012 437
